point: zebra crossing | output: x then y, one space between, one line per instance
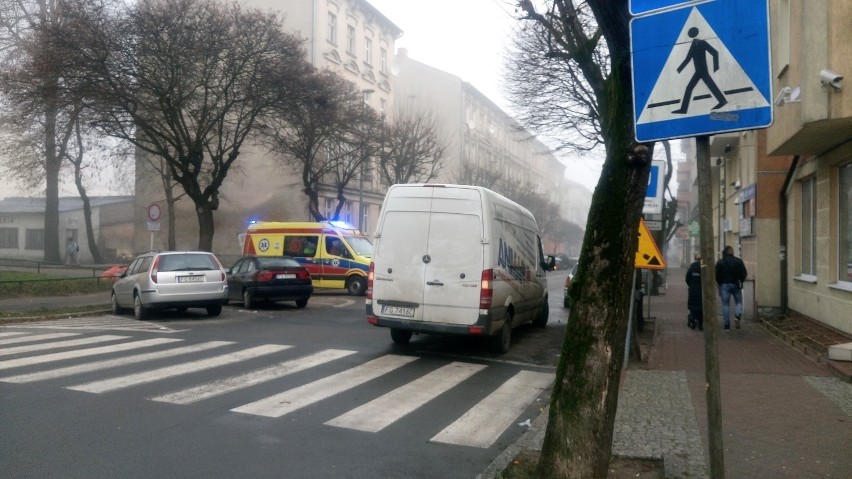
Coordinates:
28 357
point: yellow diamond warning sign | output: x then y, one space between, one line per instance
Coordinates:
648 256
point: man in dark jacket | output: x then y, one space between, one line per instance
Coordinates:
693 299
730 274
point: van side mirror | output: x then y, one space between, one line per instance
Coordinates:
549 263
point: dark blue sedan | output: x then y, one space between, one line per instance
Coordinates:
255 279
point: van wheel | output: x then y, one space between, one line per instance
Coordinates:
139 310
401 336
500 343
541 319
356 285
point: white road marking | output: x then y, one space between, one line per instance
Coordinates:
294 399
275 371
36 337
483 424
110 321
10 333
60 344
384 411
80 353
112 363
145 377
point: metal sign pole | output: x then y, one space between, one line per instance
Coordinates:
711 323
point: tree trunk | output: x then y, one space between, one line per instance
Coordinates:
87 217
578 440
52 165
204 210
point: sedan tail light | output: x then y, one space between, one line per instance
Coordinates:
264 276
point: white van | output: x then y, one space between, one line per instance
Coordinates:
454 259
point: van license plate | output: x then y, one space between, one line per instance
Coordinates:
397 311
190 279
285 276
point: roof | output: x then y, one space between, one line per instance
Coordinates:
20 205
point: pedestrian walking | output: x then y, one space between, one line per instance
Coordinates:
730 274
71 250
694 301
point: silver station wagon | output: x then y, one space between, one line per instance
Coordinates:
171 279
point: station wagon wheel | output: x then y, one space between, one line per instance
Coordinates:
139 311
214 310
116 309
356 285
401 336
301 303
248 300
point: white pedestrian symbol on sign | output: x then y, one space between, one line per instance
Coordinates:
687 72
697 55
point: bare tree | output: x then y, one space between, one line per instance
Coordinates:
308 129
360 141
587 44
182 80
472 174
412 148
31 83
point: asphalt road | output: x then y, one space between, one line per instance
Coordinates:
275 392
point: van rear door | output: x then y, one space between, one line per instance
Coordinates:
453 273
430 257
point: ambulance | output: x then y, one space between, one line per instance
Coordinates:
459 260
337 254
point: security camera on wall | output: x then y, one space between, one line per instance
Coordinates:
829 78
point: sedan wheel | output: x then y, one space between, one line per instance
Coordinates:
301 303
248 300
214 311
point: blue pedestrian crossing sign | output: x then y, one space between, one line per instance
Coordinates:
701 69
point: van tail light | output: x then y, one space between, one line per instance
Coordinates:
486 291
370 281
264 276
155 268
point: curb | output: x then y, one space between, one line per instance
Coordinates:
97 309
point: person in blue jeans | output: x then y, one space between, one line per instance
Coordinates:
730 274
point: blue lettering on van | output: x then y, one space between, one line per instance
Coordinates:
511 262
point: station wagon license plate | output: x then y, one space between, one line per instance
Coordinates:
190 279
285 276
397 311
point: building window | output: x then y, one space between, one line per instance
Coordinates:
347 212
34 239
808 238
9 238
332 28
383 60
350 39
844 227
368 51
329 208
